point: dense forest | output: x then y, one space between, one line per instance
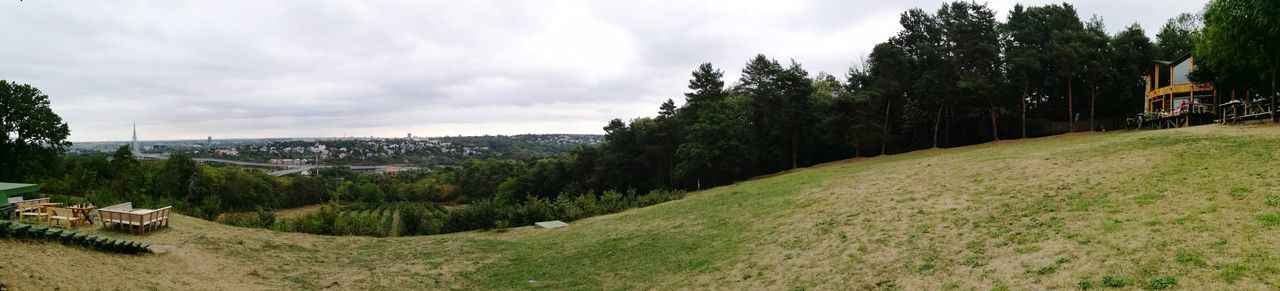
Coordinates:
953 77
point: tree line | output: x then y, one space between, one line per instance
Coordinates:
952 77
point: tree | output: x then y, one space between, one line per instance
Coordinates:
847 119
886 80
797 108
1066 51
714 143
1242 36
479 179
972 43
760 83
662 138
1174 38
175 178
1131 55
1024 39
1096 62
922 41
31 134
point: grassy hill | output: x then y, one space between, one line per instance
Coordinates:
1196 207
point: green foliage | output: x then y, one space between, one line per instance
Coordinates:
1273 200
1191 258
1148 198
31 134
1239 192
1175 37
1232 272
1114 282
479 179
430 218
1085 284
1239 46
1269 219
1162 283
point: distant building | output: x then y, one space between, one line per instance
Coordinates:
1170 90
209 140
231 151
133 146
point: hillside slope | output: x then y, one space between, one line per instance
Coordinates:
1185 207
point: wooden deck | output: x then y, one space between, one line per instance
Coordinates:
1174 121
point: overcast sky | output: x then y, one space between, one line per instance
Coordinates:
185 69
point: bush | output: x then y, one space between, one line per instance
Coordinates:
411 218
612 201
266 218
566 209
538 209
480 215
419 219
587 203
658 196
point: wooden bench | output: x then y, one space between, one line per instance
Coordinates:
62 214
31 208
135 220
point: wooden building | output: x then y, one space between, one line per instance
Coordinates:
1171 92
1172 99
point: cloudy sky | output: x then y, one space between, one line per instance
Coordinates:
188 69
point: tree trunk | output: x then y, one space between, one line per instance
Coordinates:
884 136
995 128
795 143
1071 115
937 120
856 150
1025 87
1093 104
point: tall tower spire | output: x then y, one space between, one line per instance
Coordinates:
134 145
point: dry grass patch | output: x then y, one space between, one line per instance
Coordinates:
1194 208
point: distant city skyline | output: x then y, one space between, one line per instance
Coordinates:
133 139
185 70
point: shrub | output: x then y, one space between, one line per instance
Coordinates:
538 209
658 196
411 218
612 201
479 215
587 203
266 218
242 219
567 210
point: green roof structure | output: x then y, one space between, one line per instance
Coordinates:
11 189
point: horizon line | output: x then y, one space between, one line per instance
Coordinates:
330 137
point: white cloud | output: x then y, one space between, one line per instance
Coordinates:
184 69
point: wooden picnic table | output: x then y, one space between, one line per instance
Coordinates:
83 212
44 205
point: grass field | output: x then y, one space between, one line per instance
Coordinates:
1194 208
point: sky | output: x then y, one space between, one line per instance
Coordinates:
308 68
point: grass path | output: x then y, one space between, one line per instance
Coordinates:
1196 207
